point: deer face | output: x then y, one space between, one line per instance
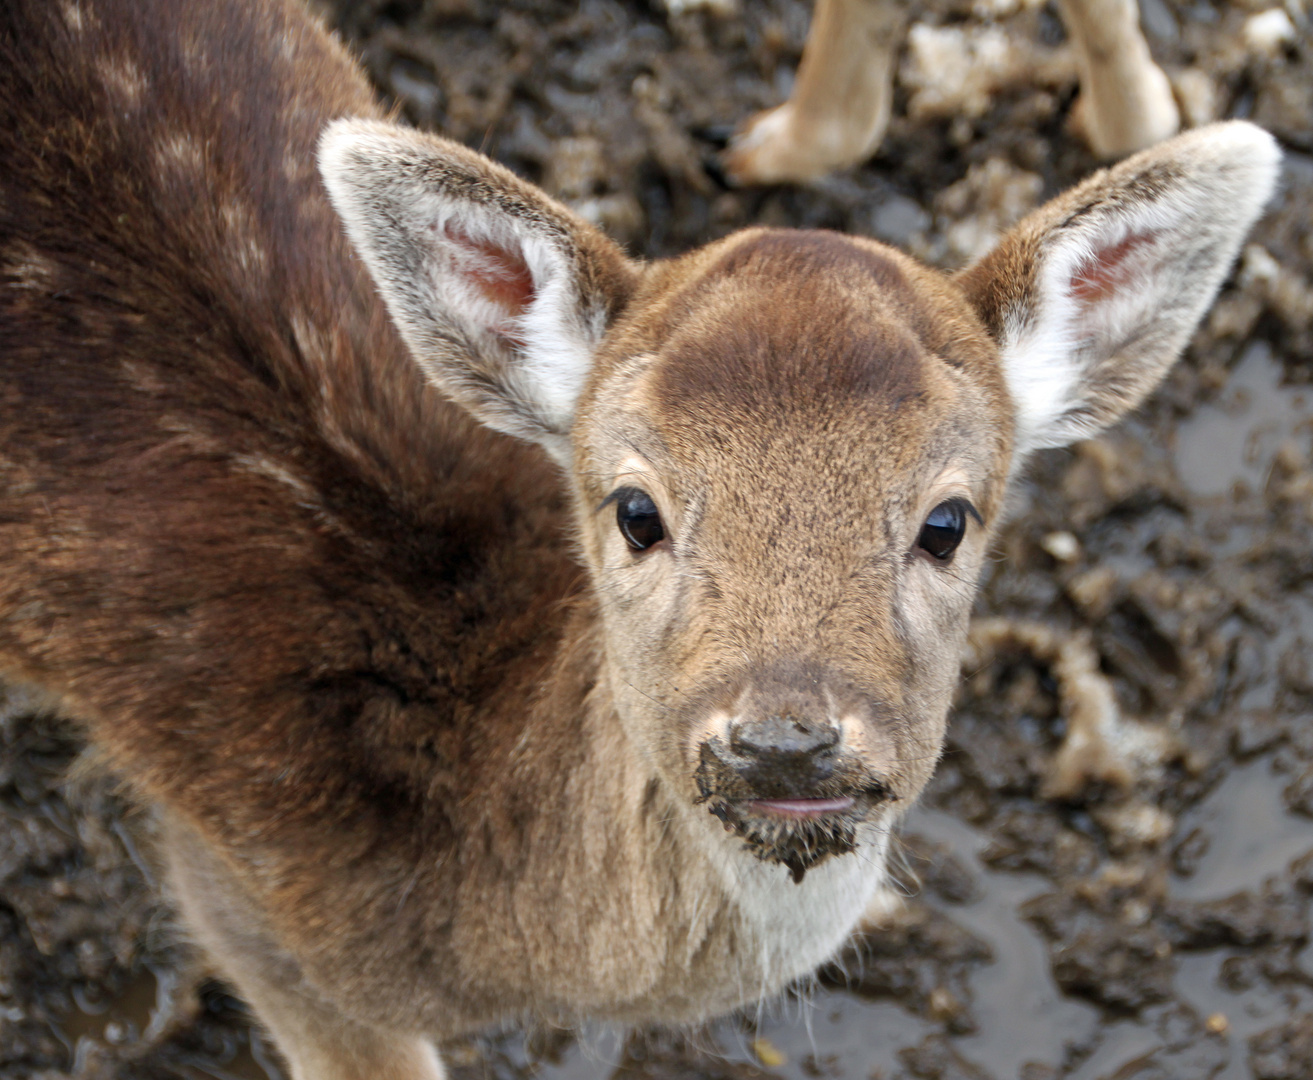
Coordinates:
788 449
786 470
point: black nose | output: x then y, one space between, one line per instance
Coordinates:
783 736
783 756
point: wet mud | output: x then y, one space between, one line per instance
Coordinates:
1110 876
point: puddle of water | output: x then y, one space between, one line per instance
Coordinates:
1023 1016
1122 1041
1234 439
1252 837
1247 1013
826 1033
834 1034
1251 834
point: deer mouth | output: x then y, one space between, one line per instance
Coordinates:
799 809
798 829
797 833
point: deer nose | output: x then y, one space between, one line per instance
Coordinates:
784 756
783 736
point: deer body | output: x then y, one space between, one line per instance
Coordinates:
444 727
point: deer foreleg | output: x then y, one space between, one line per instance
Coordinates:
317 1040
1126 101
839 108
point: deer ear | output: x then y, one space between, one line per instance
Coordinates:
501 293
1093 296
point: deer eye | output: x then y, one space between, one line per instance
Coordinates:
636 515
944 528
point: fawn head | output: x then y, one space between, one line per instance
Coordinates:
788 450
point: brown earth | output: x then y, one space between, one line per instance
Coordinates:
1135 911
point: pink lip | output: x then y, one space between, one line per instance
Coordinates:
799 808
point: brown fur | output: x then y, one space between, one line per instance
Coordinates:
432 747
265 561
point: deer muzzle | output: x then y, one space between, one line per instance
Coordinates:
786 785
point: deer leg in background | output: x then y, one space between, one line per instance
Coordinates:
1126 102
839 108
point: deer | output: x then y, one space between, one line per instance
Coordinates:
495 625
842 100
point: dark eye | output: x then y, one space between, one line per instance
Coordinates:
639 522
943 529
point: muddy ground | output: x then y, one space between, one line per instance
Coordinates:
1135 911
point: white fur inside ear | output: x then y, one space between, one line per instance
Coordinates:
1095 288
1124 275
477 270
512 290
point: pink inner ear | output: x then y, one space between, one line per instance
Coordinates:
1098 277
500 274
